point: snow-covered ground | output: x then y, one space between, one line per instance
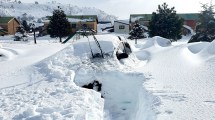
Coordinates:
159 81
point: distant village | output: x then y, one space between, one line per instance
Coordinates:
9 25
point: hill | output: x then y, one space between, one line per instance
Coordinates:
37 10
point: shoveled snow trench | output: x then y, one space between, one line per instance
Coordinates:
54 91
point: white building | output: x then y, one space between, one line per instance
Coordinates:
121 26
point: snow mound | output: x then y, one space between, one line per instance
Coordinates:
156 41
210 49
143 55
52 94
161 42
198 52
108 44
7 54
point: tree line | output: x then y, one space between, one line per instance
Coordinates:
166 23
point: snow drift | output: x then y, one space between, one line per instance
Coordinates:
156 41
198 52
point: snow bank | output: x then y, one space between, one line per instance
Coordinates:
52 94
156 41
199 52
143 55
7 54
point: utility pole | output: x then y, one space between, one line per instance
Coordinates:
33 26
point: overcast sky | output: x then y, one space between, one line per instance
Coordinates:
123 8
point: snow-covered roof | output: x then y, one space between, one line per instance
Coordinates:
84 18
80 20
122 21
142 17
7 19
189 28
147 17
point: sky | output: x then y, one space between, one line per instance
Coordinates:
123 8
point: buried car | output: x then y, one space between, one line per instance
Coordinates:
102 46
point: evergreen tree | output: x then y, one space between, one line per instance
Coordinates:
25 25
165 23
205 31
21 30
20 34
136 32
59 26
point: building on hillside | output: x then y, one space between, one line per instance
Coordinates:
78 22
122 26
9 25
190 19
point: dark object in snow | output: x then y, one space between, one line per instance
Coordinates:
121 55
123 50
97 55
95 85
201 37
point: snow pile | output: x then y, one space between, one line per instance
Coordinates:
199 52
7 54
51 94
141 51
156 41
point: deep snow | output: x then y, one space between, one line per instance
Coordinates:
159 81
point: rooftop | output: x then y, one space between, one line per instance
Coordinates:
147 17
5 19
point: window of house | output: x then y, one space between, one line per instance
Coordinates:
73 25
121 27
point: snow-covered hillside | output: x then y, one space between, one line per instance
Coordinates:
32 10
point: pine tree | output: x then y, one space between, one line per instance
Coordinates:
205 31
25 25
165 23
136 32
59 25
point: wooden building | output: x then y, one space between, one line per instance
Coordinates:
9 25
78 22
